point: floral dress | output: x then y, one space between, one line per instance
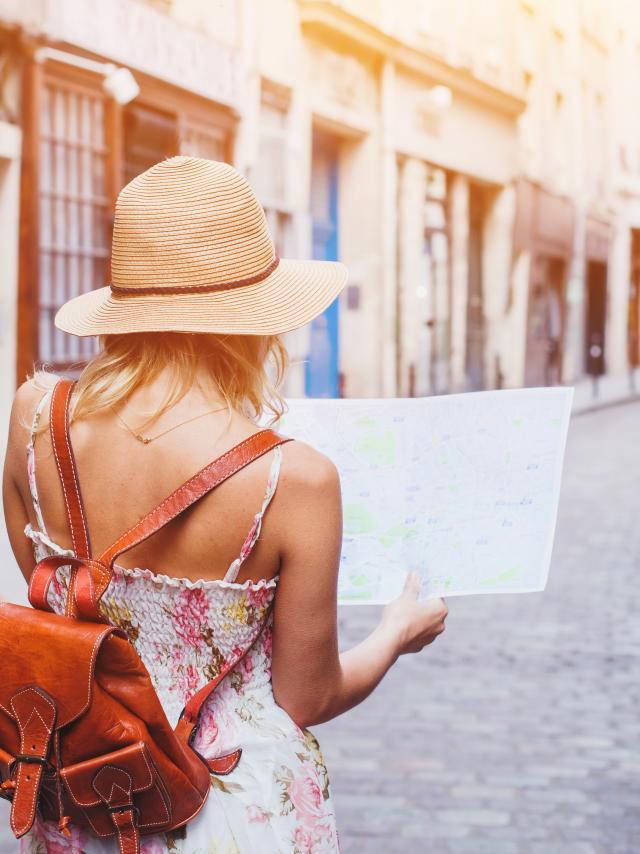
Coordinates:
277 800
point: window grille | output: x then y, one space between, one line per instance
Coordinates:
73 211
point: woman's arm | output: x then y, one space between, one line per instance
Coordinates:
14 475
311 680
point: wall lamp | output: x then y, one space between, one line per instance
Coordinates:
118 82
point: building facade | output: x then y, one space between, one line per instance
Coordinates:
476 166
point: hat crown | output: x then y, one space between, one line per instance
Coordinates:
188 222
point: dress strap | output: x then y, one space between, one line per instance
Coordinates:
31 462
254 533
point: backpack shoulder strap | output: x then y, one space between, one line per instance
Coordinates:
65 461
42 575
94 580
90 577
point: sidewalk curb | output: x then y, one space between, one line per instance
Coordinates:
597 406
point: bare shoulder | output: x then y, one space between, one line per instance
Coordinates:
25 402
304 468
308 510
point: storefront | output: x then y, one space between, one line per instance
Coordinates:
633 327
596 303
322 372
466 236
545 229
338 100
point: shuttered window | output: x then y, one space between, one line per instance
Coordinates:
73 206
79 149
271 177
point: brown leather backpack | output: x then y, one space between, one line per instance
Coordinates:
83 736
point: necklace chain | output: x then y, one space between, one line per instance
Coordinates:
145 440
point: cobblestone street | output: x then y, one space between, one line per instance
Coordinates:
518 732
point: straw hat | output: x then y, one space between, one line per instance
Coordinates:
192 253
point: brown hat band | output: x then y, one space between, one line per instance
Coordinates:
118 291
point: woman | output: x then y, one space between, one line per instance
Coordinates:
189 361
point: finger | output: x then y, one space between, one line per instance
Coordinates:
432 605
411 588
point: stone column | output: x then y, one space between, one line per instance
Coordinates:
459 225
388 220
13 588
507 337
618 281
412 279
504 294
10 145
573 361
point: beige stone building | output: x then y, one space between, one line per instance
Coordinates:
576 208
476 165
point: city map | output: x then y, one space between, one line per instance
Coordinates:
461 488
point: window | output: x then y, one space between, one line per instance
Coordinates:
73 204
437 250
201 140
81 150
149 135
271 176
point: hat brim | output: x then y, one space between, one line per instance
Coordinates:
291 296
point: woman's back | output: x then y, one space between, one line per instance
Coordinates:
121 479
189 327
190 619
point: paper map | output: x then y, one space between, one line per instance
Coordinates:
462 488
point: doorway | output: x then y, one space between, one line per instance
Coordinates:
545 322
475 304
633 329
321 366
437 252
596 316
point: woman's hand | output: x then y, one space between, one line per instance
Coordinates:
414 623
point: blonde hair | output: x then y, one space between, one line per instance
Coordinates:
238 367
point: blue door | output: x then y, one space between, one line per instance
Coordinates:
321 367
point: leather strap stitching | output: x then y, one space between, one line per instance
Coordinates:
86 544
58 463
18 831
67 460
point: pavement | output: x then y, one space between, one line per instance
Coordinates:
592 394
518 731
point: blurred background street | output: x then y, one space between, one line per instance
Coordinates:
477 167
517 731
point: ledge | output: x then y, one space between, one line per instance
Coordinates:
326 19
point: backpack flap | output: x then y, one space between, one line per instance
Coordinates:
109 785
57 654
47 670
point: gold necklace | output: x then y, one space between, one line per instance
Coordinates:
145 440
